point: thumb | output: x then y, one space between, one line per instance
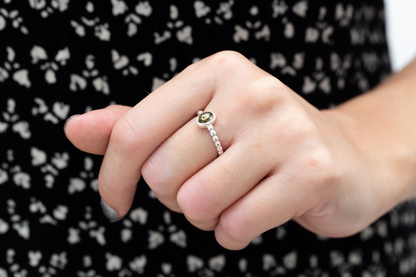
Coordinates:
90 132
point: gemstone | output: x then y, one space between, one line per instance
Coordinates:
205 117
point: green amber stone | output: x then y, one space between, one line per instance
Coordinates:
205 117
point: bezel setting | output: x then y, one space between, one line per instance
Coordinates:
206 120
205 124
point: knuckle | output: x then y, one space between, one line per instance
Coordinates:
156 177
324 170
234 228
213 68
227 56
301 130
329 171
195 207
224 61
208 225
107 189
124 137
262 95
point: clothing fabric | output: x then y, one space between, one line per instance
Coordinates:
64 57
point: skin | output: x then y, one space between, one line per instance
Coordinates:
332 171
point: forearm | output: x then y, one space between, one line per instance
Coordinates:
382 124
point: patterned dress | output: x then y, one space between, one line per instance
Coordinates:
64 57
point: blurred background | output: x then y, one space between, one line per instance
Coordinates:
401 31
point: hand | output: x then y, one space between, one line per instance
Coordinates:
283 158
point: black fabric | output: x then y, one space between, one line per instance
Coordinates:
64 57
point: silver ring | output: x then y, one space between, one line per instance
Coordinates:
206 120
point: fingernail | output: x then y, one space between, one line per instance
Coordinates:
66 122
109 212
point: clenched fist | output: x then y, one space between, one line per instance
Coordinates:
283 159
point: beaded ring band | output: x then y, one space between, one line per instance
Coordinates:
206 120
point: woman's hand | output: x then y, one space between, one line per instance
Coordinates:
283 159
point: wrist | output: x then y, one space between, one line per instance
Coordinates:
384 150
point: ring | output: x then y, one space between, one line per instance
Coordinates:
206 120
